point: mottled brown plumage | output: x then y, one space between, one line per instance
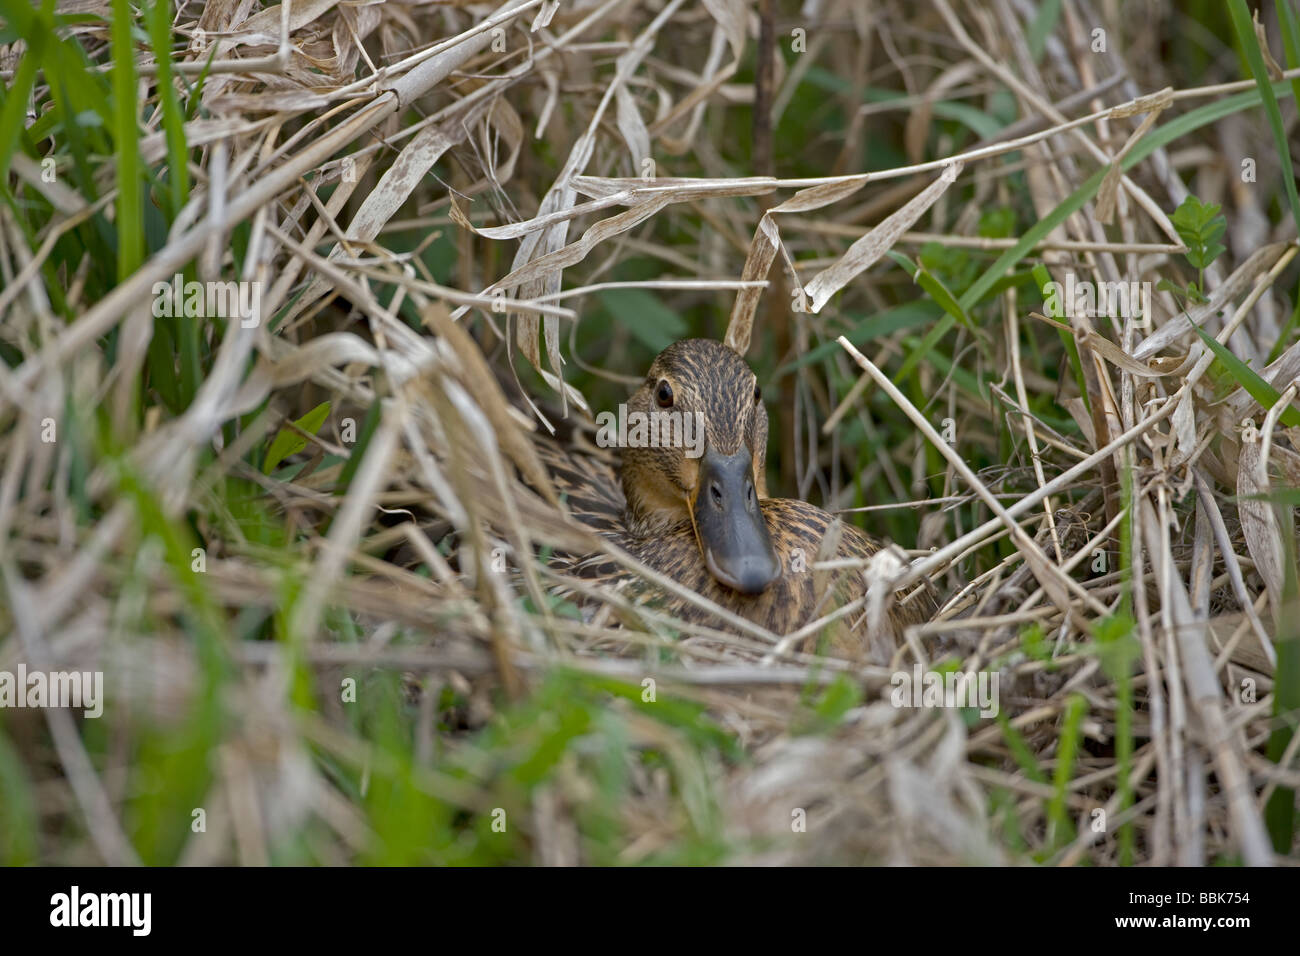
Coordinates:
649 505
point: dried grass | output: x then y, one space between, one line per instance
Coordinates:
318 125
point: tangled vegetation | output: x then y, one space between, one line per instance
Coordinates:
290 291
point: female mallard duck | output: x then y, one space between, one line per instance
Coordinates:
698 512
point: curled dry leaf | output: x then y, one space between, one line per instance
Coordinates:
866 251
1258 522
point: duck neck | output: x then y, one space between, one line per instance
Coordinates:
655 524
649 516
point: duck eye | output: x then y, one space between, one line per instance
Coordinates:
758 394
664 394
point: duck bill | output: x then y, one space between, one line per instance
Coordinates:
729 524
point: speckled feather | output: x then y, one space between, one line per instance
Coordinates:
712 374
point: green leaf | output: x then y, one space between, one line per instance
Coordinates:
839 697
1200 226
648 319
1033 640
1260 390
932 284
1117 648
1041 27
288 442
1288 497
998 223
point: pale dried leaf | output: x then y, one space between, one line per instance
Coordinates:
1258 522
867 250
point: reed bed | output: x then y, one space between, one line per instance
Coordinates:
308 547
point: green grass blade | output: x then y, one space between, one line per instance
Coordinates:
932 284
15 95
1058 820
1020 751
173 118
126 136
368 426
1241 22
1286 16
1260 390
19 819
1279 812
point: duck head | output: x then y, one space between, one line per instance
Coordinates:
700 461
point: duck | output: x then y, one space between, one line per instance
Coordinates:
684 492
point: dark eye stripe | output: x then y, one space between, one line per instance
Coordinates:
664 394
